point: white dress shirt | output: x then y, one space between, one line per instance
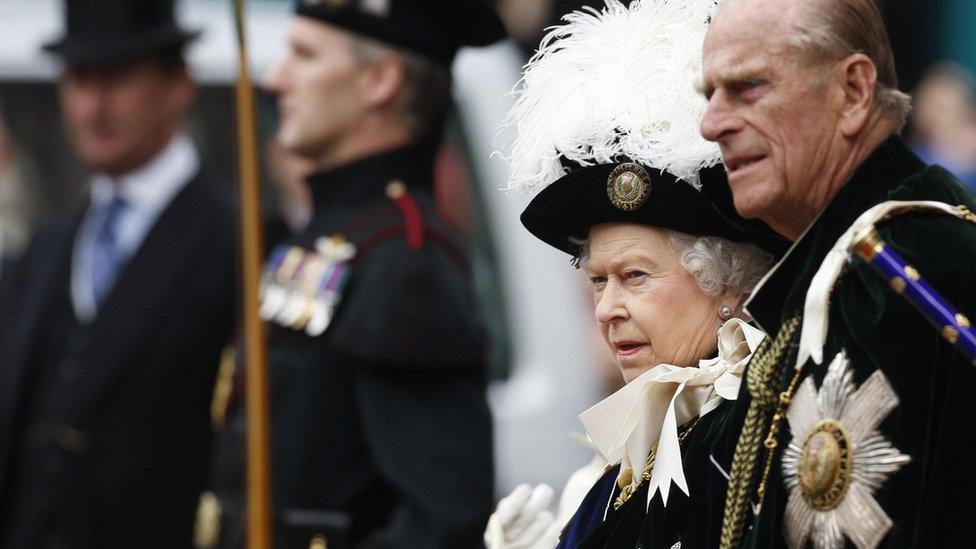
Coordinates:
147 193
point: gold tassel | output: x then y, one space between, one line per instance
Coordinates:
223 388
762 377
206 531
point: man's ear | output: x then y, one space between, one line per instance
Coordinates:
182 91
859 78
189 90
383 80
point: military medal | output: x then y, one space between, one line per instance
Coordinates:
301 288
327 296
278 270
297 312
838 459
328 288
335 248
289 311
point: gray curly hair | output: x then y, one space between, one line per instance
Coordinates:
717 264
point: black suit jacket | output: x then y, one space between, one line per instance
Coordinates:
147 370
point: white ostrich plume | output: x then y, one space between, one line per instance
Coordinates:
611 84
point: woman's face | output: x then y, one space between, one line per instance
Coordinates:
649 308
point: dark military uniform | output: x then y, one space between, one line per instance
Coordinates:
382 419
929 499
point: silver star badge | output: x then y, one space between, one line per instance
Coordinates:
838 459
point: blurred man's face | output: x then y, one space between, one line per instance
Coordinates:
943 105
120 116
773 114
318 89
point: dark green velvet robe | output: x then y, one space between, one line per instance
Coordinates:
931 499
689 521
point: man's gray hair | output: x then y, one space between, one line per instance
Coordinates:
426 94
830 30
718 265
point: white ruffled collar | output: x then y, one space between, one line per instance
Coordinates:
649 409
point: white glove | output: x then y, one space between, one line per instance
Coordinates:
522 520
577 487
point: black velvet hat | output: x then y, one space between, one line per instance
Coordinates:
103 31
436 29
628 192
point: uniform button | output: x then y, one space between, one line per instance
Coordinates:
77 342
52 461
69 369
395 189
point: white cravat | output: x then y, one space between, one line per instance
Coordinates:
649 409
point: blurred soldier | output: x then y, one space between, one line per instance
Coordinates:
377 355
111 339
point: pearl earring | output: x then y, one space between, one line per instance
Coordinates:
725 312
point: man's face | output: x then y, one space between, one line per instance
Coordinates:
120 116
318 89
774 116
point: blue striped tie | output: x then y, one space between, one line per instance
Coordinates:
107 258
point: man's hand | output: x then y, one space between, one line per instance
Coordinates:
522 520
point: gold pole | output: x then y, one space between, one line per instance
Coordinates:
255 343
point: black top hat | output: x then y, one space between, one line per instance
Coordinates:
629 192
101 31
436 29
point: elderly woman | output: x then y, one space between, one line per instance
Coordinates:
606 125
666 277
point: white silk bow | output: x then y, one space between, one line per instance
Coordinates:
649 409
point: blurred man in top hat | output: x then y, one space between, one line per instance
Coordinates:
110 341
377 354
856 425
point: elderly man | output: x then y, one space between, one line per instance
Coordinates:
380 423
112 331
867 443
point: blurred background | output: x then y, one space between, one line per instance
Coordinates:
548 364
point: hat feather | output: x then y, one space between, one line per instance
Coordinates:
611 84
